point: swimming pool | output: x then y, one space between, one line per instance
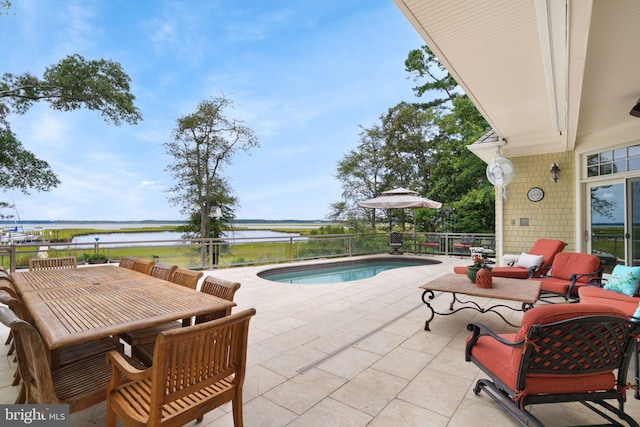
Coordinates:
340 271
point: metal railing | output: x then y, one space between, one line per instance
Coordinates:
231 252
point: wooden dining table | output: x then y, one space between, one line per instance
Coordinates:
89 303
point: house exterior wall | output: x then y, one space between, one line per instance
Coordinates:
553 217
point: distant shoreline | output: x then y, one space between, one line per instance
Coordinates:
154 221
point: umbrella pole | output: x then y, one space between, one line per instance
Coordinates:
415 245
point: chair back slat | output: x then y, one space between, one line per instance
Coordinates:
185 277
58 263
127 262
142 265
162 271
220 288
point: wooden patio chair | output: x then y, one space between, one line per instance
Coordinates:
162 271
181 276
211 285
80 385
58 263
127 262
195 370
6 285
142 265
561 353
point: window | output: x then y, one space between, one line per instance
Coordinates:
614 161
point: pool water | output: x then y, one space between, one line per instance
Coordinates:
335 273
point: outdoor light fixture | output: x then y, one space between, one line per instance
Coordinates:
635 111
215 212
555 170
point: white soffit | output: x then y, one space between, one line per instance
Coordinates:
492 48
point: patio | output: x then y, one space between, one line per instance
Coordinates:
354 354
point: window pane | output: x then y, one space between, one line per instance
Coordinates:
619 167
592 160
634 164
605 169
620 154
634 151
606 156
592 171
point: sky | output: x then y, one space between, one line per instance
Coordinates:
303 75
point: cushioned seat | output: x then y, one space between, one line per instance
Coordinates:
597 295
561 353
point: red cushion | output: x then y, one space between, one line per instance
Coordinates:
496 357
567 263
504 361
548 248
595 295
460 270
558 286
510 272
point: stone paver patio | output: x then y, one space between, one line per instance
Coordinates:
354 354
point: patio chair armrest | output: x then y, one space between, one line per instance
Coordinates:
575 277
478 330
121 366
597 282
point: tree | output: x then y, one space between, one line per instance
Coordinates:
202 144
424 148
361 173
73 83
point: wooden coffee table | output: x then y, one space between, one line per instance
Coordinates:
524 291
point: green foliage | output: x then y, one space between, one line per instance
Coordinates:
99 85
22 170
327 229
73 83
98 256
423 147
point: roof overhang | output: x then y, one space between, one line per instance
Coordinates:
544 73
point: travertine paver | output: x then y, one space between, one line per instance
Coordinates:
353 354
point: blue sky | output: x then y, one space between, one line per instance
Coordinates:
302 74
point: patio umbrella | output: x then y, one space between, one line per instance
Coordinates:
400 198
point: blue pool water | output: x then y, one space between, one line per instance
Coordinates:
337 272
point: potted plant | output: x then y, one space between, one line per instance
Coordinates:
97 258
472 270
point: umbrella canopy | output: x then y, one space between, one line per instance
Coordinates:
399 198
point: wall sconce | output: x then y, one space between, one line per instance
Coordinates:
555 170
635 111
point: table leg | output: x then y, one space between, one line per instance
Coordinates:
433 312
472 305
